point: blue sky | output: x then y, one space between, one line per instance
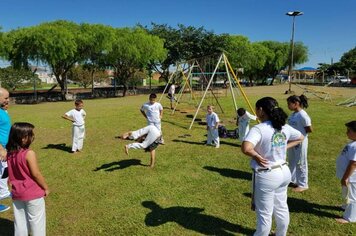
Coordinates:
327 27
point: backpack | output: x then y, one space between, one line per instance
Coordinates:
222 131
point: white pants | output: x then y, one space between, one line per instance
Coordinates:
78 134
270 197
213 136
298 163
152 135
4 190
30 216
349 194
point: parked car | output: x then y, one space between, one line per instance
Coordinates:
342 80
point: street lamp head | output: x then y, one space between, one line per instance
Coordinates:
294 13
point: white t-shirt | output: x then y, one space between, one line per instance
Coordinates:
347 154
212 119
299 120
172 89
244 122
77 116
152 111
271 144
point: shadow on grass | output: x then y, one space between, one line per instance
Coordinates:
303 206
59 146
236 174
118 165
192 218
6 227
190 142
230 144
175 124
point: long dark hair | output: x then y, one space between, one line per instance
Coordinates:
275 114
303 100
18 132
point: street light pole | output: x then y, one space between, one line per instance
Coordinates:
290 68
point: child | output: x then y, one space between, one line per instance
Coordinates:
153 112
212 124
297 156
28 185
346 172
77 116
243 121
147 138
171 93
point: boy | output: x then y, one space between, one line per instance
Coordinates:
153 112
77 116
171 92
147 138
212 124
346 172
243 122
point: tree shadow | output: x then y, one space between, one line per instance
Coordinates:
191 218
59 146
301 205
236 174
190 142
118 165
6 227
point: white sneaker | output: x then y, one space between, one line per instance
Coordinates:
217 146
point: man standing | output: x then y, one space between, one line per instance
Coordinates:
5 125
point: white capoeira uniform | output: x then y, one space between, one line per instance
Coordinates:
171 92
78 128
213 134
270 183
153 112
297 156
152 135
244 124
348 192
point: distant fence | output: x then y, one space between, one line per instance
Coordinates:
38 96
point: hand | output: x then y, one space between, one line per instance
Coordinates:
47 192
344 182
261 161
3 154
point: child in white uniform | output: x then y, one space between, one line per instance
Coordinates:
153 112
243 122
267 144
346 172
212 125
297 156
171 93
77 116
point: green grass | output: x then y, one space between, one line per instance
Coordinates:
192 190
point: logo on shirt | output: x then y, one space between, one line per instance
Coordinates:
278 139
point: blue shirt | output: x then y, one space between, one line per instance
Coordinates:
5 126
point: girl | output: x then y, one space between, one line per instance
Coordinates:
267 144
297 156
346 172
28 185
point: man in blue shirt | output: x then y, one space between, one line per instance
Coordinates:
5 126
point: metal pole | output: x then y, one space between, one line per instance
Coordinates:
290 69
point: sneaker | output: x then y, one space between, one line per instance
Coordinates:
6 196
217 146
4 208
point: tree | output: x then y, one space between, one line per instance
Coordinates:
86 76
349 60
132 50
12 79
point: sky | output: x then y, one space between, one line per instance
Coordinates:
327 27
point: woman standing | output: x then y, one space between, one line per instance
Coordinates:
267 144
297 156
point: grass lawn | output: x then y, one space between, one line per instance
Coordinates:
193 189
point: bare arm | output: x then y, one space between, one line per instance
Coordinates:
143 113
67 118
160 114
3 153
349 171
247 148
293 143
35 171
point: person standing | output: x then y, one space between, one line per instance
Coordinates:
77 116
5 126
346 172
212 125
267 144
243 122
171 93
153 112
297 156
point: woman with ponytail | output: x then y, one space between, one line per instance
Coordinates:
267 144
297 156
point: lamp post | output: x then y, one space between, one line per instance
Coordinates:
293 14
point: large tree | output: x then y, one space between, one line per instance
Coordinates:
132 50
